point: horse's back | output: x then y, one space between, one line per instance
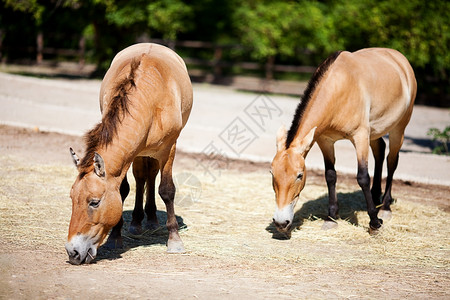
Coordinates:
382 86
154 83
160 69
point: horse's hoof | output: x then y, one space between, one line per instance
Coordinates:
385 215
374 231
135 229
175 247
329 225
114 243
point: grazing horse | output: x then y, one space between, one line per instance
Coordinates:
145 99
358 96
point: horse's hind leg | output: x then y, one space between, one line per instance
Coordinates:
395 143
152 169
167 193
115 237
378 148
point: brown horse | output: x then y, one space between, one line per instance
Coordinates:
145 99
358 96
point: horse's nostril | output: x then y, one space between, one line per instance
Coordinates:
75 254
283 225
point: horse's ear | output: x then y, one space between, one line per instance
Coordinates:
281 138
306 143
75 158
99 165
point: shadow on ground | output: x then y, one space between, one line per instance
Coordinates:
158 236
317 210
423 145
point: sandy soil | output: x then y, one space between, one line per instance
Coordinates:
233 251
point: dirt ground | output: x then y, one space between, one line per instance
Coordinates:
233 251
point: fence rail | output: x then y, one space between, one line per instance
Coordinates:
206 70
217 63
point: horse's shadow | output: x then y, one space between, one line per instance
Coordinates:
157 236
349 205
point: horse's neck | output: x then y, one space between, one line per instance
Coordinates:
314 116
116 164
119 154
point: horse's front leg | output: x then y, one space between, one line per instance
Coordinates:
327 148
167 193
378 148
150 204
115 237
361 143
145 170
135 227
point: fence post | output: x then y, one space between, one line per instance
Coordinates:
269 67
82 50
217 69
40 47
1 45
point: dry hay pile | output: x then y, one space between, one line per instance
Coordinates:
231 221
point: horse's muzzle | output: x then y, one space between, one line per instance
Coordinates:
80 251
284 226
283 217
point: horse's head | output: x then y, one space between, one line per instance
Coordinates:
289 176
96 208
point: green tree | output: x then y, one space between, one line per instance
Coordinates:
284 29
169 17
418 29
271 28
32 7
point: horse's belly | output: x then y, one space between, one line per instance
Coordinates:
386 120
156 151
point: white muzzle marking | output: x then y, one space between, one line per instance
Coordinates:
283 217
81 249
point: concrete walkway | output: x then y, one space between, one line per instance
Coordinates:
224 123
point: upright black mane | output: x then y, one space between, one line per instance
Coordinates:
102 134
312 84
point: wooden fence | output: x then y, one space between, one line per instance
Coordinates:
217 64
204 70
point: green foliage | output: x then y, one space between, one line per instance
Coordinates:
126 13
273 28
32 7
281 30
441 137
166 17
419 29
169 17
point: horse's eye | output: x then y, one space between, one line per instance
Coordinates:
94 203
299 176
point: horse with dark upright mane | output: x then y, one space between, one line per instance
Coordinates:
358 96
145 99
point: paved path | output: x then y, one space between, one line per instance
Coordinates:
223 122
